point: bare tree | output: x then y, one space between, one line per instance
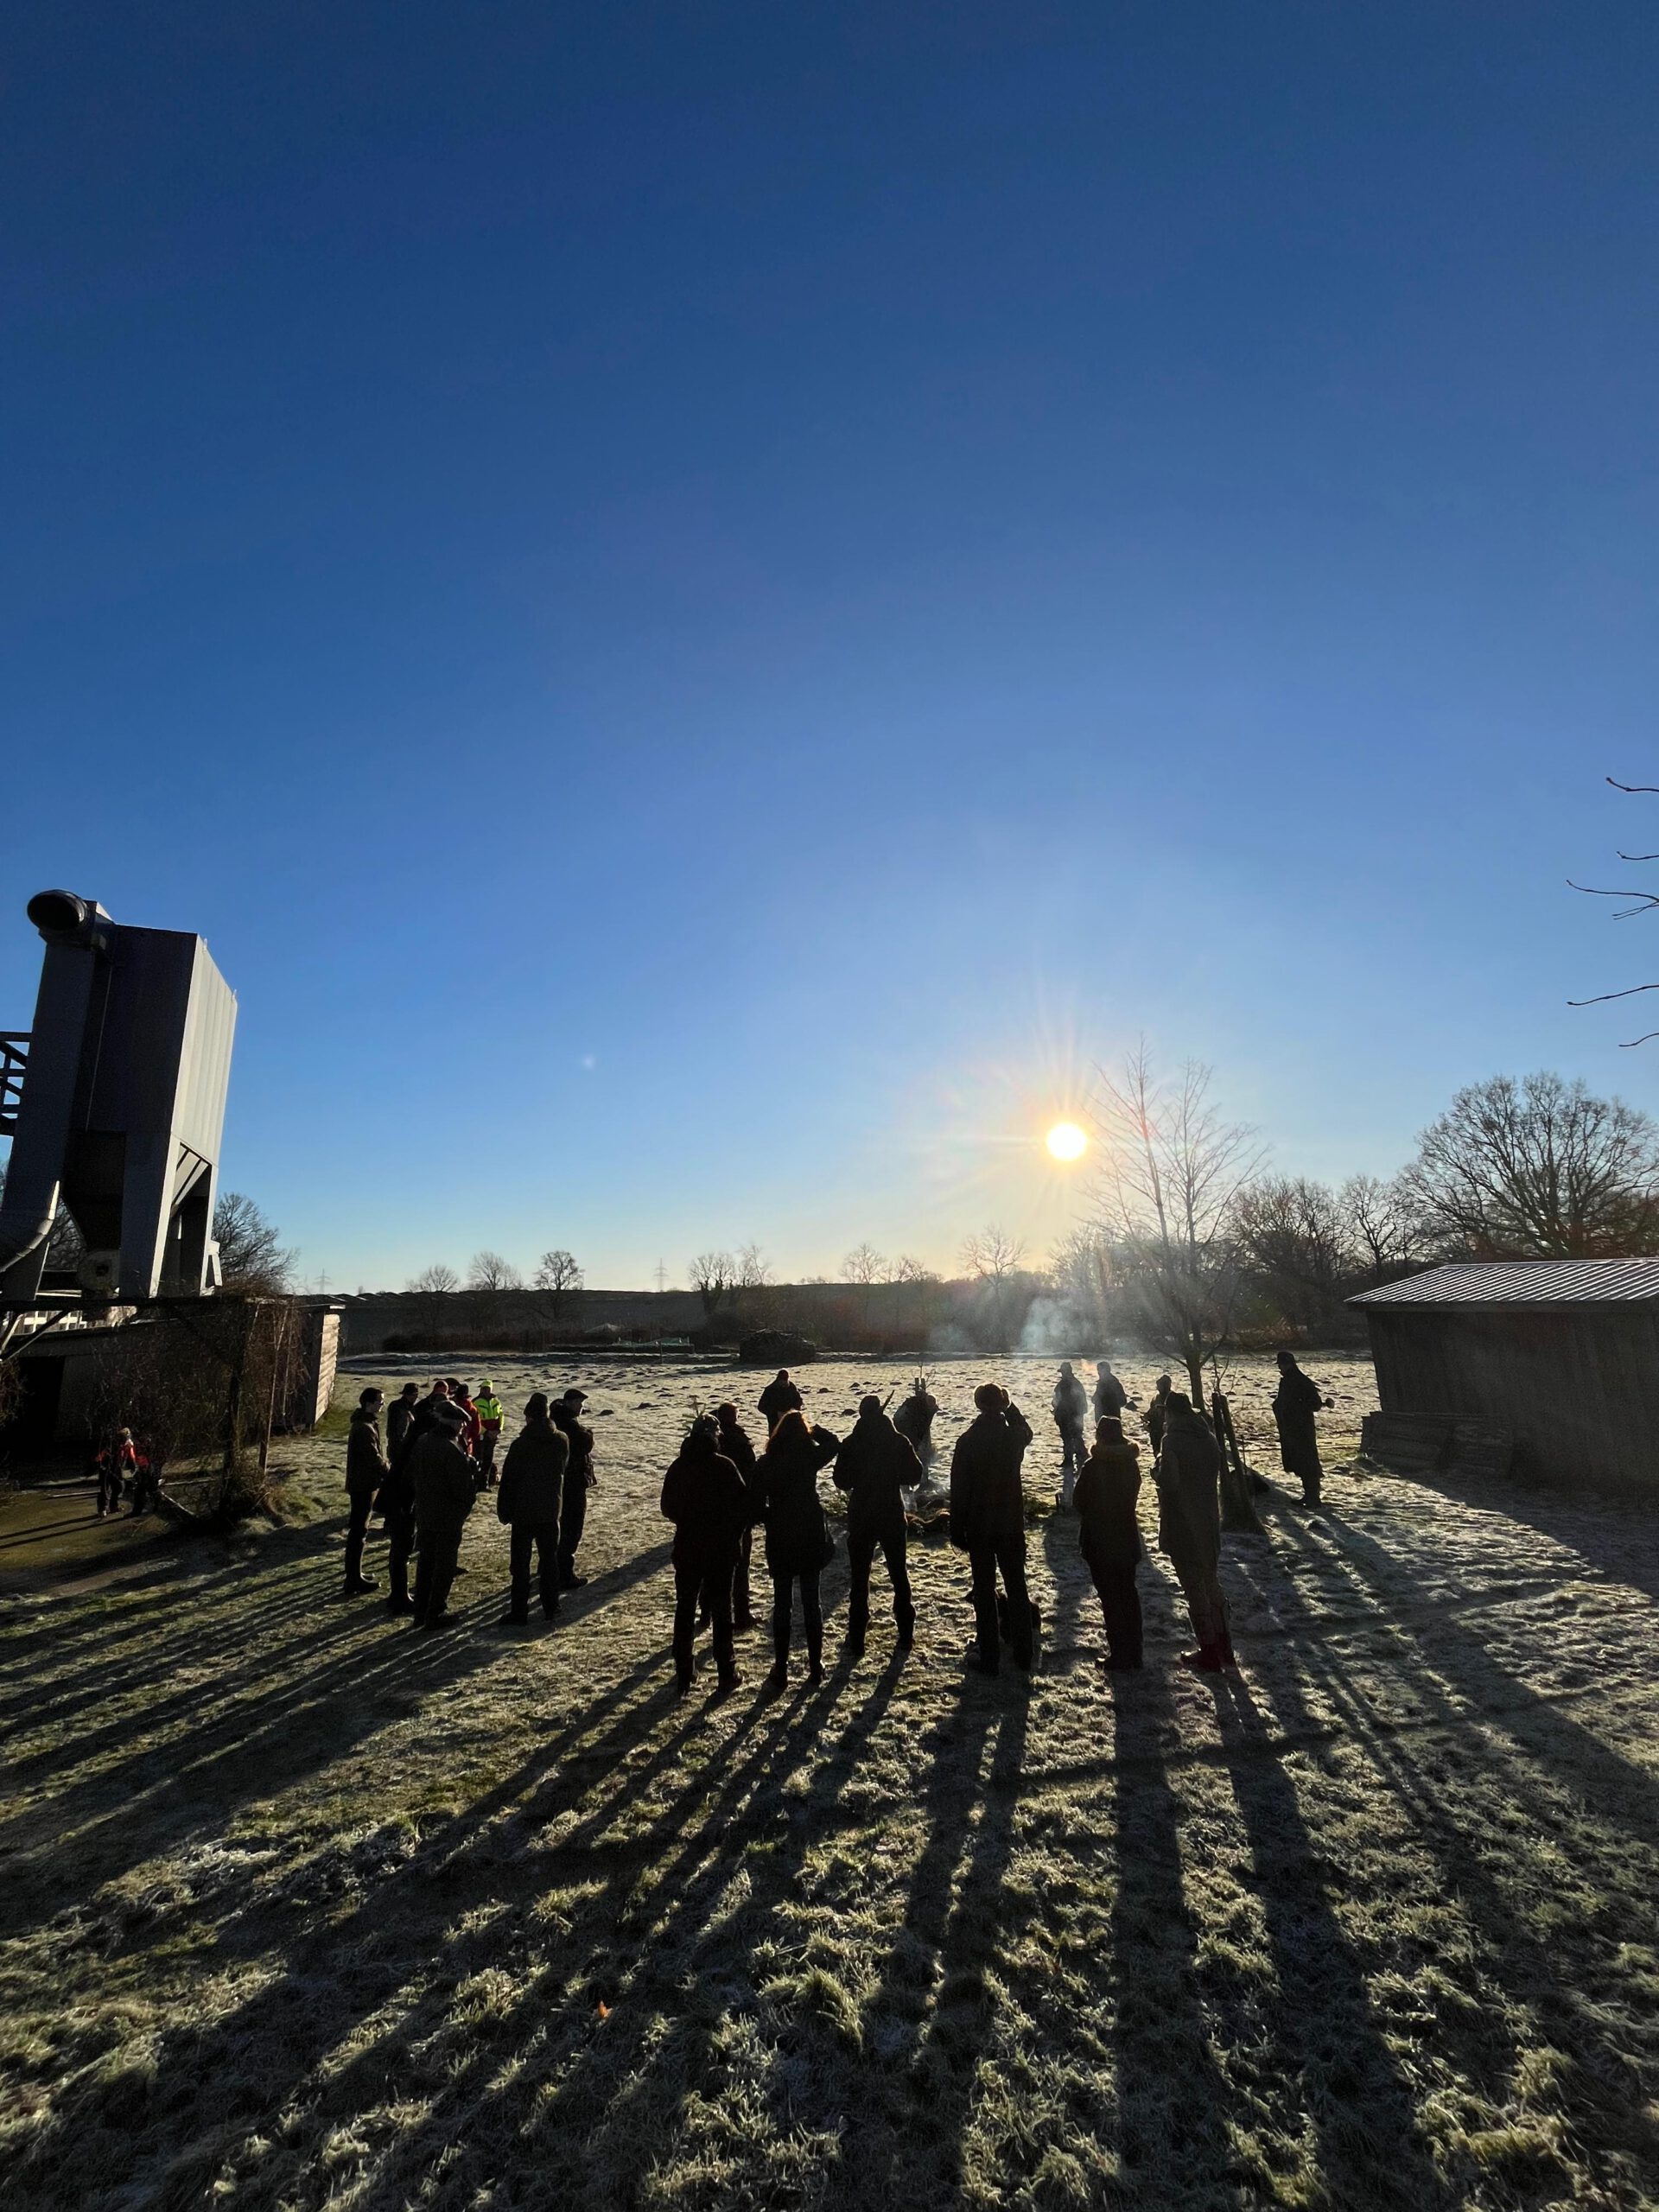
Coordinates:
490 1272
432 1286
993 1258
1379 1225
1171 1168
1292 1233
558 1278
751 1278
251 1257
907 1268
1537 1168
711 1275
1080 1268
864 1265
1644 902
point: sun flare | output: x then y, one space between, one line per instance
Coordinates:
1067 1141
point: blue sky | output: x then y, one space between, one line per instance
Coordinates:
704 603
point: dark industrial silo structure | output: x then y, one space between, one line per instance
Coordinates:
115 1104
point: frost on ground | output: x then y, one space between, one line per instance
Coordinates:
302 1909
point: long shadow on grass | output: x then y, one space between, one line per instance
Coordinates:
316 1710
931 2020
1612 1533
1620 1790
1335 2061
1496 1795
1172 2100
1071 1589
228 2080
588 2093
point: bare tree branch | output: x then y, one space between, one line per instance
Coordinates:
1646 899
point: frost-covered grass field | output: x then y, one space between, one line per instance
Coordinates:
300 1909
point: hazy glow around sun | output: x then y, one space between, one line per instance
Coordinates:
1067 1141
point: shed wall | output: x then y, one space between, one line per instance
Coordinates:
1580 1389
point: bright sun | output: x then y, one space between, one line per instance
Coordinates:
1067 1141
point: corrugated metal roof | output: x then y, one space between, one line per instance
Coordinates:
1522 1283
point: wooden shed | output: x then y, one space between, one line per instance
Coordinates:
1562 1353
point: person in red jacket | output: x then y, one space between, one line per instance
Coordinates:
473 1432
114 1465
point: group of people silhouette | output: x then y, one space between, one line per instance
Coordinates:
719 1490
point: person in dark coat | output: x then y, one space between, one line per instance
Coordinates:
737 1446
1110 1397
779 1397
1295 1402
397 1491
1070 1410
705 1495
1156 1414
365 1470
399 1414
579 1479
987 1521
527 1501
799 1545
874 1466
915 1419
1110 1537
1189 1518
441 1471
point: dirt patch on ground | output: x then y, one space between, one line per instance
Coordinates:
50 1534
302 1909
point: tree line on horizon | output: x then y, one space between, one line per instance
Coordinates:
1188 1245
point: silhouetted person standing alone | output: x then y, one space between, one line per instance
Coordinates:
1071 1410
1294 1404
779 1397
1110 1397
799 1546
1110 1538
987 1521
874 1467
1189 1528
707 1499
529 1500
366 1469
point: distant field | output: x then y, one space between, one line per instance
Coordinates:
302 1909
